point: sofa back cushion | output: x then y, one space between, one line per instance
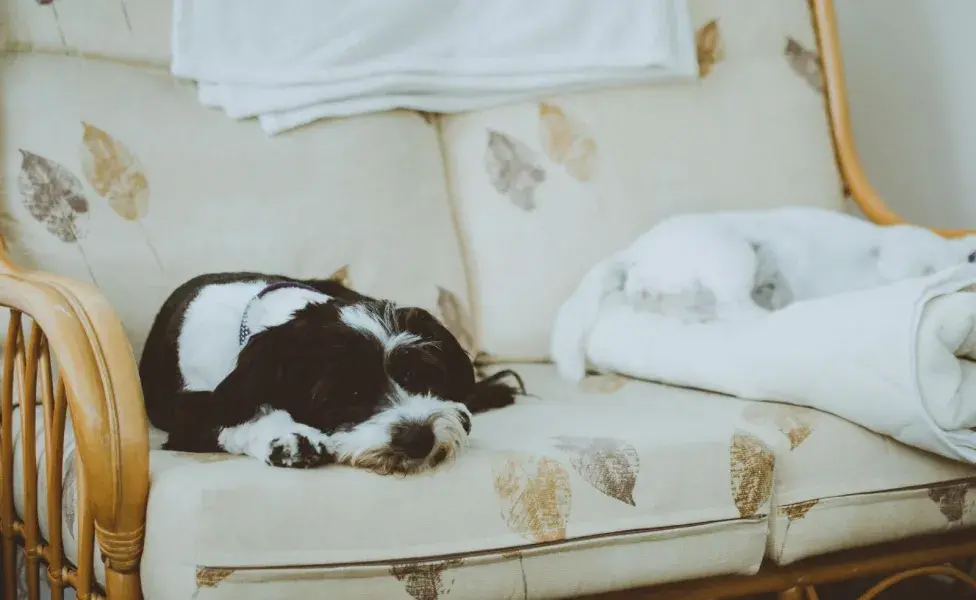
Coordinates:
116 175
544 190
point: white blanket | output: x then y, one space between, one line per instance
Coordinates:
293 61
896 359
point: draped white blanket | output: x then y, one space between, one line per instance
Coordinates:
294 61
897 359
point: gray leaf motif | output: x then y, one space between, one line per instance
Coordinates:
513 169
425 581
609 465
69 496
951 500
805 62
53 196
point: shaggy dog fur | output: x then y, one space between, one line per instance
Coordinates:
740 264
303 373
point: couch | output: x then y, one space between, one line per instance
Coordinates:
118 186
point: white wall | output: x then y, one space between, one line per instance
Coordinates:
911 76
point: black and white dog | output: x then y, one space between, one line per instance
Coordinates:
300 373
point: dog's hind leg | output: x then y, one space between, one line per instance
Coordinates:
579 313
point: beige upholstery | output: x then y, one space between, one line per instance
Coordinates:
621 474
612 484
750 134
202 193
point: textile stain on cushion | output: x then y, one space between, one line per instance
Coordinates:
536 496
514 170
425 581
752 473
611 466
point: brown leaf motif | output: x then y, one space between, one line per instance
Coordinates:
566 141
425 581
798 510
795 422
209 577
53 196
806 63
606 383
69 495
536 496
609 465
429 117
456 319
752 473
708 44
513 169
342 276
115 173
951 500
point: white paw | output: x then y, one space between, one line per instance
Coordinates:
298 451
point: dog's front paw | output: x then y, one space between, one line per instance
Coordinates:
296 451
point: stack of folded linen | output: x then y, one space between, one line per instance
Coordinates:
291 62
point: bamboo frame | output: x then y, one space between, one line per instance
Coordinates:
97 383
849 162
74 329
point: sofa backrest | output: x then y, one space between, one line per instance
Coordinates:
602 167
510 206
113 173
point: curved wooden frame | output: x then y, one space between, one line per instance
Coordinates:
98 384
855 178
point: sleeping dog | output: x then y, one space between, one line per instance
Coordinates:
300 373
704 266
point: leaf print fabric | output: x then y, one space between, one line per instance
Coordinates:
513 169
53 196
567 142
115 173
609 465
536 496
425 581
752 473
806 64
708 44
456 319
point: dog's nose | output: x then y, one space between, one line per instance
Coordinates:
416 441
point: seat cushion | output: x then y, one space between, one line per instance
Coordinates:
546 189
571 491
840 486
148 189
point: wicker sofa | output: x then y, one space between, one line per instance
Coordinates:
118 185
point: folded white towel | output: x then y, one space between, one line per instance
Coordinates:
292 61
897 359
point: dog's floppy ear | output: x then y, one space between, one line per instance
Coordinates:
492 392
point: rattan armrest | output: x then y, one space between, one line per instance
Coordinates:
104 399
